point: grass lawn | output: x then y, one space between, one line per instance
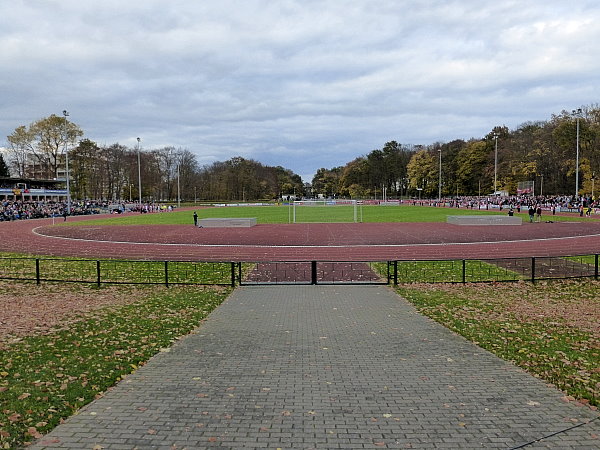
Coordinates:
551 329
283 214
82 270
48 372
448 272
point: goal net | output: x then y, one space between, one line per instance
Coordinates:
526 187
324 211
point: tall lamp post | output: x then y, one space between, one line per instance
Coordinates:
440 177
66 114
577 115
495 136
139 174
178 191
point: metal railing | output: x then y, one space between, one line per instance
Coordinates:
297 272
313 272
116 271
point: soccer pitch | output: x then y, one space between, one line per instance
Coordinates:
283 214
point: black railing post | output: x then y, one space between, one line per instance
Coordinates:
37 270
98 272
395 273
167 273
313 271
464 271
533 269
596 266
233 273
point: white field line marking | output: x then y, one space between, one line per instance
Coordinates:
166 244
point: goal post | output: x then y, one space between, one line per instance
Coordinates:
526 187
325 211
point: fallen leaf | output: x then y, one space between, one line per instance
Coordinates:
32 431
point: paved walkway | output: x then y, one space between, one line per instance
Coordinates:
326 367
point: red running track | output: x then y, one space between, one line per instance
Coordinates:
300 242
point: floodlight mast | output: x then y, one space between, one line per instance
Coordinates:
577 114
440 177
66 114
139 174
495 136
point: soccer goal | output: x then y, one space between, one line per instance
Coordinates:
324 211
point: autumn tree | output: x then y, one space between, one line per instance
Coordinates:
4 172
422 172
87 174
45 141
326 182
20 144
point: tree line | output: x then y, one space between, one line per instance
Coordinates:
541 151
111 172
544 152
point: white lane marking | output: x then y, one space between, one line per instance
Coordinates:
167 244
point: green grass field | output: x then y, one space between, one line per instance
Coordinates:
283 214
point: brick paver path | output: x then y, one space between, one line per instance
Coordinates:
326 367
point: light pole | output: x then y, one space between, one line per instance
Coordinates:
139 174
577 115
440 177
541 185
178 192
66 114
495 136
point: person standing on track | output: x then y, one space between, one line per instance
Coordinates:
531 213
195 219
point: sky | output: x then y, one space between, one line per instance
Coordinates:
300 84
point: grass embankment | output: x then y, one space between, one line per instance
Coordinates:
52 365
551 329
283 214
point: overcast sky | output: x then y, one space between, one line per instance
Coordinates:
302 84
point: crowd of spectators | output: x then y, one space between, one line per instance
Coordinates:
518 202
21 210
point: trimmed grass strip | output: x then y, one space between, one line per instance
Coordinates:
47 377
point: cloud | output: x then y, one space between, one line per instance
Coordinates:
302 84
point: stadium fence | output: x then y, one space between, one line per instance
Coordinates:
395 272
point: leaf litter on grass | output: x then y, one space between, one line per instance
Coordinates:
551 328
80 342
